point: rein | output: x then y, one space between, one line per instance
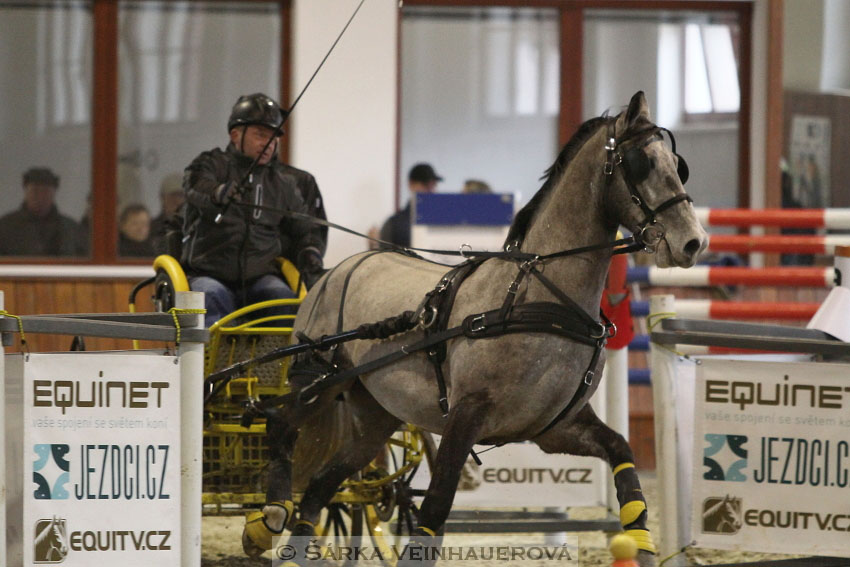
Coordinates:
625 245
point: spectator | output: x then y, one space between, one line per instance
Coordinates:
421 179
475 186
37 228
233 261
134 229
171 198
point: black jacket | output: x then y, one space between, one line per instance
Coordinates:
396 229
312 198
23 234
243 246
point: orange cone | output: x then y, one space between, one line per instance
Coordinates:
624 549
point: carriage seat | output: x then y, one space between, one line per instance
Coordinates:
240 335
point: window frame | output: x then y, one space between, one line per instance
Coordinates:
571 41
713 116
104 131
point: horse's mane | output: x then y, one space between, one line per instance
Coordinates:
523 218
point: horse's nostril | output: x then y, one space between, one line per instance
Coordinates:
692 247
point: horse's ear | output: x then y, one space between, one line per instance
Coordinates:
637 108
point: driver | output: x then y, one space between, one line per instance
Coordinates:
233 261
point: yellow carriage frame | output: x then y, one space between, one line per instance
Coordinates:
234 456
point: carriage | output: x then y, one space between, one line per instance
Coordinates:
377 502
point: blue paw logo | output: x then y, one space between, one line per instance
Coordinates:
51 471
725 457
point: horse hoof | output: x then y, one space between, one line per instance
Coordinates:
251 549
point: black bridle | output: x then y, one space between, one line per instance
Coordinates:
628 152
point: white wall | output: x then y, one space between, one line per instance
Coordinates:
816 45
344 128
802 44
836 42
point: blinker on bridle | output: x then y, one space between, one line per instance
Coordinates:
636 165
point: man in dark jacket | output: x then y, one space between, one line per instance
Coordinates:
233 260
37 228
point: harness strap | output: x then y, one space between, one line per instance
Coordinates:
345 288
570 303
440 301
580 391
544 317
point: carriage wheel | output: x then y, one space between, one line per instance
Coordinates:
391 518
163 293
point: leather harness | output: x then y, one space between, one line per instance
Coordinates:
565 318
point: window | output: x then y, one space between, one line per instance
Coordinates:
477 85
45 128
686 63
711 70
521 63
176 88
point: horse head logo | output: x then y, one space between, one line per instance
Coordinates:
722 515
51 541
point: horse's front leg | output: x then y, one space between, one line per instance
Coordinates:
262 526
462 431
373 425
588 436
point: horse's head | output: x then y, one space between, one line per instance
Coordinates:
645 187
60 537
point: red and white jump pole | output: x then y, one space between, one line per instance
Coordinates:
786 218
721 275
780 244
711 309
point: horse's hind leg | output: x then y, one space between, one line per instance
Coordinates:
587 435
373 426
261 527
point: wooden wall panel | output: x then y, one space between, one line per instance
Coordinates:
45 297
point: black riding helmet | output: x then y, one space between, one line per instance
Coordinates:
256 109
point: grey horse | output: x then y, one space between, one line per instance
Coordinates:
500 389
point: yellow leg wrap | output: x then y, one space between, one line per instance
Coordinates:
622 467
257 529
631 511
427 531
642 539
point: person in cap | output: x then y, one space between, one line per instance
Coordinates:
420 179
37 228
233 261
171 198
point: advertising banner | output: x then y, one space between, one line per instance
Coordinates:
521 474
771 466
101 462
